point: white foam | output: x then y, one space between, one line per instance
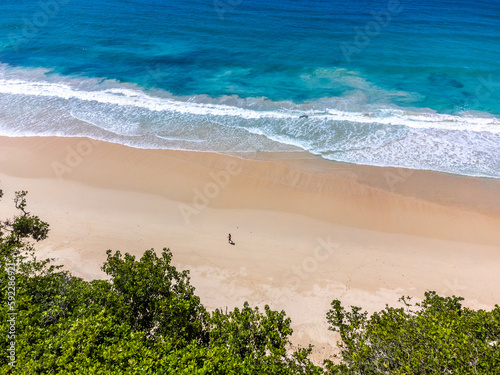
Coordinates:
125 97
178 139
37 104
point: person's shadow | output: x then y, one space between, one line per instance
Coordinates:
232 243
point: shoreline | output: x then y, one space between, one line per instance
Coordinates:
306 230
381 194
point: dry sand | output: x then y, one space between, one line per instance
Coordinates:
306 231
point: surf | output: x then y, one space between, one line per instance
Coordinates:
37 103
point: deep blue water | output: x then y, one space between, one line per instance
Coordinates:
409 83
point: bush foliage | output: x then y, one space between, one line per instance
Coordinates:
147 319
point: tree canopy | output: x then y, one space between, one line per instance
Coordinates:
436 336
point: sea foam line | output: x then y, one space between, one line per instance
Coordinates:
139 99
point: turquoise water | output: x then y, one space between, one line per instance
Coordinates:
410 84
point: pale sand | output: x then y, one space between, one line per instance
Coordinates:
385 232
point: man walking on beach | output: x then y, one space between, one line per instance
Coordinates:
229 239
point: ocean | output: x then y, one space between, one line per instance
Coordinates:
412 84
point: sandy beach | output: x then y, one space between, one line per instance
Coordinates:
306 231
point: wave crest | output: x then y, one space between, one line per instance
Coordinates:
36 103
